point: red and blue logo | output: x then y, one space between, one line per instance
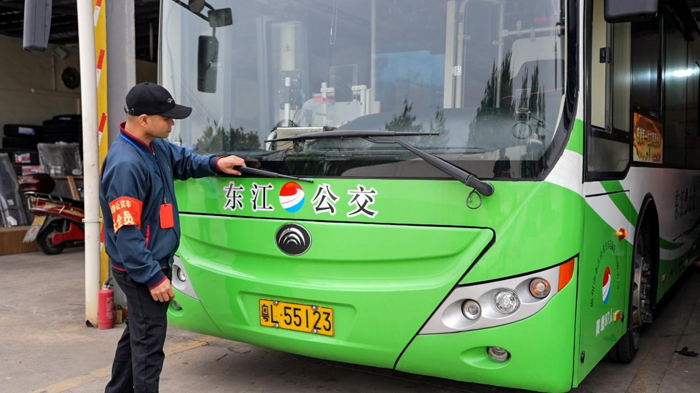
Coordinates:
607 279
292 197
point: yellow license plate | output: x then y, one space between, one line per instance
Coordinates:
298 317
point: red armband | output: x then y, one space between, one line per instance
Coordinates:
126 211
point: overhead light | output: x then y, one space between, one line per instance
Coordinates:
683 73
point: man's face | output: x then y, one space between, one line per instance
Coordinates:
159 126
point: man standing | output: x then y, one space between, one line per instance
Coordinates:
142 227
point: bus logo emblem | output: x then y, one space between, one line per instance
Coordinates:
292 197
607 279
293 239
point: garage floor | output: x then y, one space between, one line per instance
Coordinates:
45 347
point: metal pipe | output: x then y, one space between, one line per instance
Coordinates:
324 104
507 33
460 52
448 96
88 92
501 23
287 106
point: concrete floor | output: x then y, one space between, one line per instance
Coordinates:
45 347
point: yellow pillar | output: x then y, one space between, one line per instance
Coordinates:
103 140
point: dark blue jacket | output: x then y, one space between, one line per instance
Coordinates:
136 180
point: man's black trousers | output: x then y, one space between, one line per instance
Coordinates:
139 358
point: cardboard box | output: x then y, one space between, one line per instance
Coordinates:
121 313
11 241
30 169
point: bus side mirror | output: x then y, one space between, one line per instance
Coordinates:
207 63
618 11
37 25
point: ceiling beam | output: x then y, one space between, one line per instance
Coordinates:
64 40
18 25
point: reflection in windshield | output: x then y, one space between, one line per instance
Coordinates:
486 75
216 138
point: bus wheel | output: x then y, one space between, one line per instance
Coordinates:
640 301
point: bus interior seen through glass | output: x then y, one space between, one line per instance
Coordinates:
672 105
377 65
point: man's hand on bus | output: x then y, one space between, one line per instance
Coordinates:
226 164
163 292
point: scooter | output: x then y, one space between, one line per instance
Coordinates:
58 221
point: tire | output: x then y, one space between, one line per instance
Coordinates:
62 126
44 239
61 137
71 117
9 142
13 130
640 299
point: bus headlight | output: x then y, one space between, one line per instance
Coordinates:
499 302
506 301
471 309
540 288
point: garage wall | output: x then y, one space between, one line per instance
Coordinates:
146 71
31 89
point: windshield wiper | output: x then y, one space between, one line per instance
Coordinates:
261 173
349 134
384 137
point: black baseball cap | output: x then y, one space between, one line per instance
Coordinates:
152 99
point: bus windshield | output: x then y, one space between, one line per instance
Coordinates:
486 76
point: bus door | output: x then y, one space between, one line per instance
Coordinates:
604 270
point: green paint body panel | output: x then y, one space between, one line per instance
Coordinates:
384 276
674 269
621 199
192 316
667 245
602 249
381 287
671 269
540 225
523 215
543 362
575 143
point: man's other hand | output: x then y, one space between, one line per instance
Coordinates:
226 164
163 292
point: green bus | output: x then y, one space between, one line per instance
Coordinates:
489 191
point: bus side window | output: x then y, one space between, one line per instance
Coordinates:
608 133
693 141
677 75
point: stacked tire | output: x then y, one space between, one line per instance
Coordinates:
63 128
21 136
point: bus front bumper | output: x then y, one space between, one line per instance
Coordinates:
541 349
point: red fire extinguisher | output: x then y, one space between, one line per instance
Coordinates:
105 309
